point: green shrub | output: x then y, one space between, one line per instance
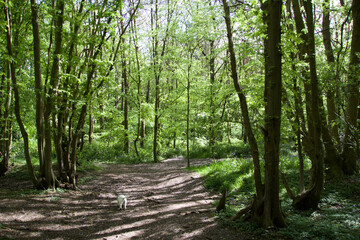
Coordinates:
338 216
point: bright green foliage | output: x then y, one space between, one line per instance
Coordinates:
236 175
337 218
193 38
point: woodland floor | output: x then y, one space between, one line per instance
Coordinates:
165 201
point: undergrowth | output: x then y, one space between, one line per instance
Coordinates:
338 216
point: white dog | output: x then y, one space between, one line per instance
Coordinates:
122 201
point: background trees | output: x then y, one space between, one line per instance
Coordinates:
145 80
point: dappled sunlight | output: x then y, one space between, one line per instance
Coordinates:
164 201
125 227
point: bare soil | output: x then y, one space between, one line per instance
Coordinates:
165 201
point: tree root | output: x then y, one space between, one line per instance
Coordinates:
241 213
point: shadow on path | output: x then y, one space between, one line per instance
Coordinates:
165 201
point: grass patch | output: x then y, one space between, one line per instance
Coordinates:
98 152
31 191
338 216
220 150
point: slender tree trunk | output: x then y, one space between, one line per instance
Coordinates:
74 136
243 105
91 127
298 125
54 82
102 119
5 120
142 134
24 134
311 197
38 87
5 95
154 21
139 88
63 140
212 107
157 56
330 94
58 144
330 132
266 207
351 115
157 116
188 117
126 93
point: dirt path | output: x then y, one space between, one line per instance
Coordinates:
164 202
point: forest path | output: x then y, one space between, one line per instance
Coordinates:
165 201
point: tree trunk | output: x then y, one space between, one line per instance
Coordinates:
102 119
6 131
154 21
91 127
61 139
188 117
139 90
38 87
158 68
126 93
17 100
212 107
74 136
330 131
142 134
272 215
330 94
5 119
351 134
311 197
54 82
243 105
298 115
5 99
266 207
156 120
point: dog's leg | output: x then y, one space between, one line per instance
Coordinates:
125 202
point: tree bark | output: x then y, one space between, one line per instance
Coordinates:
243 105
330 94
158 69
212 107
126 93
61 139
351 115
38 86
5 120
139 90
154 20
89 91
298 125
272 215
311 197
50 96
188 113
330 133
24 134
5 98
